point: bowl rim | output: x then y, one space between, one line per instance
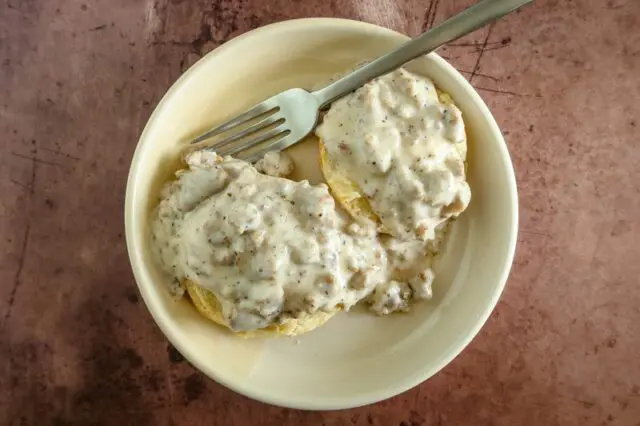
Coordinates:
173 334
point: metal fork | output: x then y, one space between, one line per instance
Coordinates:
286 118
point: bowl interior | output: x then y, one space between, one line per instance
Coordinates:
356 358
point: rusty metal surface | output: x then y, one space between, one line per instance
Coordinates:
77 83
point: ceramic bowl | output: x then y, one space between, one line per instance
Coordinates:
356 358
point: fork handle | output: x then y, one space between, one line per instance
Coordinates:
468 20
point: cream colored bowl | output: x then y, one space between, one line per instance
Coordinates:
356 358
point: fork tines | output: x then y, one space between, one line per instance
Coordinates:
259 124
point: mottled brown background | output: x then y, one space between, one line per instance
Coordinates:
78 79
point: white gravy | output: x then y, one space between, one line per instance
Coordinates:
268 248
405 150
